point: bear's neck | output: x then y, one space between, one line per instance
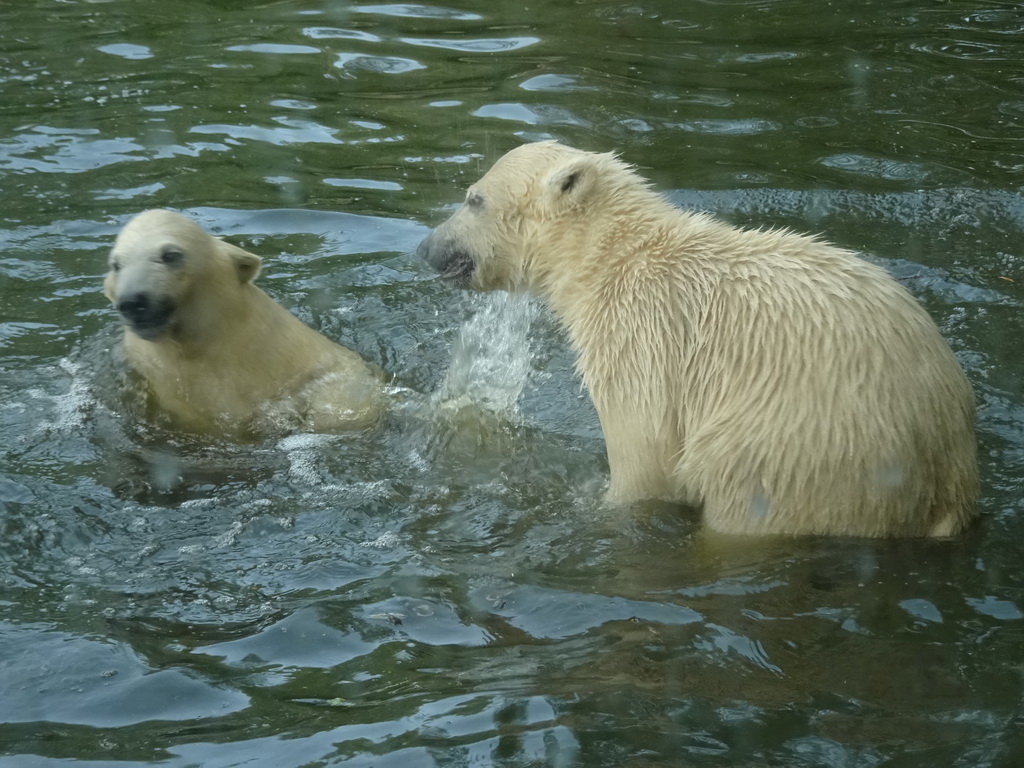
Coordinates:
631 294
239 326
585 262
200 322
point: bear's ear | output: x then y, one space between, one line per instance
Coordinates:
247 264
573 182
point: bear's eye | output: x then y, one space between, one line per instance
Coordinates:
115 266
475 200
172 257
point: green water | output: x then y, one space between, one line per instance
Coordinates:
448 590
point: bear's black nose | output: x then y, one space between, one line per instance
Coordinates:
145 315
135 308
455 264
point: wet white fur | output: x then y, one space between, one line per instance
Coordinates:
785 385
232 361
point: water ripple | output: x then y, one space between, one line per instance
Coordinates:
388 186
482 45
551 614
882 168
1009 20
553 82
418 12
46 149
293 132
964 50
531 114
322 646
334 33
127 51
113 685
273 48
384 65
758 58
741 127
134 193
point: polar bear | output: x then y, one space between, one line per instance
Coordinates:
783 385
218 354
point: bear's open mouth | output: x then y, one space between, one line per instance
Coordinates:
145 317
458 269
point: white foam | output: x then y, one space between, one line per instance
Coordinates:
387 540
303 451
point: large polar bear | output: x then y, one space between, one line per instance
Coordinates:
783 385
220 355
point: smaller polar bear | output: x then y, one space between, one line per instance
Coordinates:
218 354
783 385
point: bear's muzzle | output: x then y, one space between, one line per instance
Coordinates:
145 315
455 264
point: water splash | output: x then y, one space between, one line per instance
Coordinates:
472 416
69 409
491 358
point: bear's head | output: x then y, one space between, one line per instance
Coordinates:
161 266
534 200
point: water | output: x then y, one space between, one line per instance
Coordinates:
449 590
